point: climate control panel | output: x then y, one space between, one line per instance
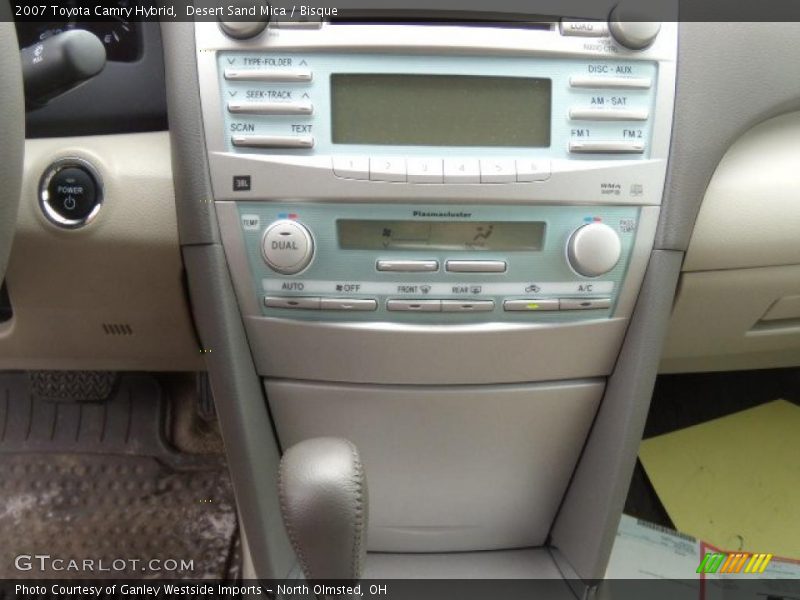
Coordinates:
406 263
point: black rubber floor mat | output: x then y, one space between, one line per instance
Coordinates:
131 421
119 512
97 489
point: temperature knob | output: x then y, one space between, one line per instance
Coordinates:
594 249
287 247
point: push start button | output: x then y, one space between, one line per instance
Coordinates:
287 247
70 193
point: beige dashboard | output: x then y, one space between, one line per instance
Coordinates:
738 304
110 295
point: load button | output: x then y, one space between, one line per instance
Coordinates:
287 247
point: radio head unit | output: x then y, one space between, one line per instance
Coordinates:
343 111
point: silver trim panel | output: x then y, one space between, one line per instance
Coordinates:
348 304
467 305
271 108
294 302
528 304
269 75
476 266
414 305
408 266
584 303
606 147
611 83
273 141
604 114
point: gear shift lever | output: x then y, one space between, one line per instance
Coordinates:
323 497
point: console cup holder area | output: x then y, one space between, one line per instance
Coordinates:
451 468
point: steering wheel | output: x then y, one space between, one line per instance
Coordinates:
12 132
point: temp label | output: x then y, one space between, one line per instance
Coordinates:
338 288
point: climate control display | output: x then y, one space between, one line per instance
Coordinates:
566 263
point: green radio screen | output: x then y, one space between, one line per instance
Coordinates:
440 110
501 236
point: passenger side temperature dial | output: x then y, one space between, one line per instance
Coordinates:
287 247
594 249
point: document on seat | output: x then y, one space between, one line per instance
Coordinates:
733 481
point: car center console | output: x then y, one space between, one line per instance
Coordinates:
437 234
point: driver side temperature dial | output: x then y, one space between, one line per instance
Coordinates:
287 247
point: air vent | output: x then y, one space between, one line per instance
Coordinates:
117 329
455 18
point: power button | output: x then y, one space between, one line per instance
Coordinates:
70 193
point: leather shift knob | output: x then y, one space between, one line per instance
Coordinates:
323 497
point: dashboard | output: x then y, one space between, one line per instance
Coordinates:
429 238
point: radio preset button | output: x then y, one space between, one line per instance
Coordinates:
387 169
287 247
408 266
467 306
529 169
603 114
425 170
351 167
348 304
273 141
269 75
530 305
414 305
584 303
271 108
476 266
611 83
606 147
467 170
498 170
300 302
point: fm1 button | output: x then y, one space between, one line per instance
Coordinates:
70 193
287 247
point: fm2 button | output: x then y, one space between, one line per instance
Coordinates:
70 193
287 247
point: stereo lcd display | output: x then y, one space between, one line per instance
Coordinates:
440 110
449 236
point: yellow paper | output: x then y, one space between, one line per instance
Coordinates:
733 482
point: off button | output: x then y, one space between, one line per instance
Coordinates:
287 247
